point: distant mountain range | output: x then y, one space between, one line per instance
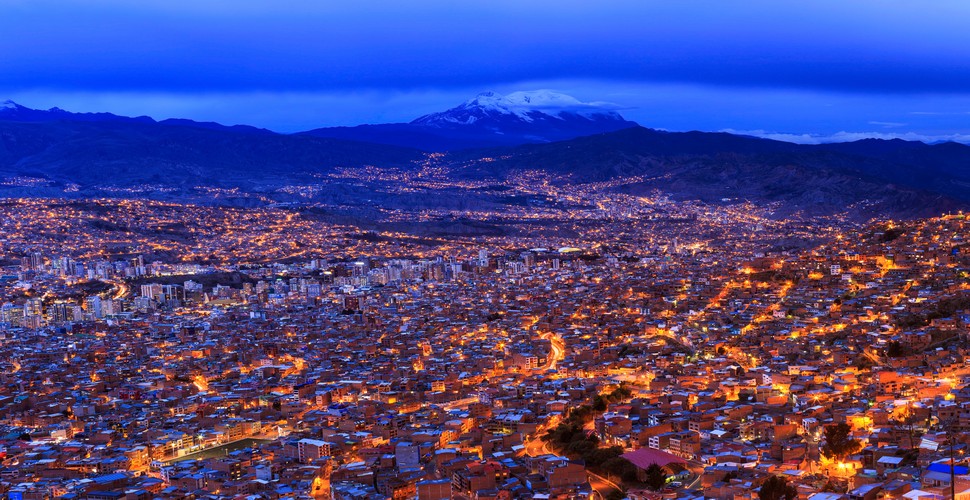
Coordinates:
85 153
866 178
11 111
490 120
89 150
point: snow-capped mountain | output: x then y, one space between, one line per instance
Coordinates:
527 107
95 151
492 119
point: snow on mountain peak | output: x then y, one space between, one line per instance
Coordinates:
545 101
8 104
526 106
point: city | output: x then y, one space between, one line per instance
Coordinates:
484 250
291 356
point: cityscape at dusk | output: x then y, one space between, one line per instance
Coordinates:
484 250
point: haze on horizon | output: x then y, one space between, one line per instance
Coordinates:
795 71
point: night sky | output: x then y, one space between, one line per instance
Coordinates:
806 71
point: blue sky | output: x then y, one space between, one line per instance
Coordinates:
812 70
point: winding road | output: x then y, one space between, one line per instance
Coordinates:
558 352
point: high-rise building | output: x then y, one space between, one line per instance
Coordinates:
152 291
92 306
34 307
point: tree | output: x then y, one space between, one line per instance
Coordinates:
906 422
598 457
621 467
615 495
862 362
777 488
838 443
580 447
620 394
834 485
656 477
599 403
895 349
581 415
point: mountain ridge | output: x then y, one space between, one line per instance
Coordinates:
490 120
527 106
11 111
715 165
123 154
90 152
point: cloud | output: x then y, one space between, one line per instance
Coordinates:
887 124
939 113
312 46
547 100
851 136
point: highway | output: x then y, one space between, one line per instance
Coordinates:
682 341
697 468
459 403
602 485
120 289
534 447
871 354
558 352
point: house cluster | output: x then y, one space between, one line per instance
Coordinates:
437 377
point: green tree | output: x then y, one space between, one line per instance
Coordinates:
581 414
622 468
895 349
620 394
600 456
777 488
599 403
580 447
656 477
839 443
615 495
906 422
